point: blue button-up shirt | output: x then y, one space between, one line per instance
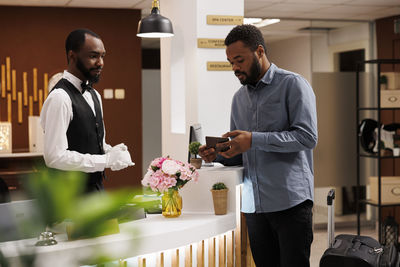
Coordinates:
280 112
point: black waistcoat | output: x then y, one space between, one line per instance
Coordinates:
85 131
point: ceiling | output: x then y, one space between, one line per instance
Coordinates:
294 14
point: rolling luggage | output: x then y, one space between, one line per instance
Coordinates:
355 250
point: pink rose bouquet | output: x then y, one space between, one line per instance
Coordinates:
165 173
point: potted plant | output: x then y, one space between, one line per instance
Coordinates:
167 176
383 82
220 198
194 151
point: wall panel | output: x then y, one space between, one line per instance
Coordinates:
34 37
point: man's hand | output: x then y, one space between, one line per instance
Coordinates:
239 144
207 154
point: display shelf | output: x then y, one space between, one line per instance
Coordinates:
376 156
359 112
377 109
373 203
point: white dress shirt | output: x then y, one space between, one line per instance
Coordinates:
55 117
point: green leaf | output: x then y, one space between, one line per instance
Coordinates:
219 186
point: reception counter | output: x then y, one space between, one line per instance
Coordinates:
197 237
15 167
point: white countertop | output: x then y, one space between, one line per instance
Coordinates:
140 237
197 196
152 234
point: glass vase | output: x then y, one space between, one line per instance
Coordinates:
171 204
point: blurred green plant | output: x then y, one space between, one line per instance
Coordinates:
56 193
219 186
194 148
60 196
383 79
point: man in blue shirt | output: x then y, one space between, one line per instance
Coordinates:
273 131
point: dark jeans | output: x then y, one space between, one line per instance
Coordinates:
283 238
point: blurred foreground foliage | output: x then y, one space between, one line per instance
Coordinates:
60 196
61 199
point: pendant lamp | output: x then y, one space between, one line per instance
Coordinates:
155 25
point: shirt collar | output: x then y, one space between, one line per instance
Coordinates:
269 75
73 79
267 78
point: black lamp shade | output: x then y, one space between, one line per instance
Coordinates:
155 26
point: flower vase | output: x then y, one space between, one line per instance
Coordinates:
171 204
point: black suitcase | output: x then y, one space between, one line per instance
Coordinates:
355 250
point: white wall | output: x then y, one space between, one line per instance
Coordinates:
292 54
151 116
325 46
321 58
190 93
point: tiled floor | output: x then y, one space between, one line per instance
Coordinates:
320 242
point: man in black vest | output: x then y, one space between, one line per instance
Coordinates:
71 117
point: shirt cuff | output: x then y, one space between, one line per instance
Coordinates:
100 161
259 140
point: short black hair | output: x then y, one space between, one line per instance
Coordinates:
76 39
250 35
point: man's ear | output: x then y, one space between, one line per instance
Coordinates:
260 50
71 56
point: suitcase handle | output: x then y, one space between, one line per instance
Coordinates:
331 197
331 217
357 244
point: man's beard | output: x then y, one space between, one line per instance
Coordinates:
86 72
254 73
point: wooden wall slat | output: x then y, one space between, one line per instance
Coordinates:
160 260
141 262
200 254
3 81
34 86
175 258
8 73
230 248
221 250
188 256
211 252
14 84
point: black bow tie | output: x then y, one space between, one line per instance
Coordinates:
86 87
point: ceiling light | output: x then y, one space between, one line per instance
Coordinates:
251 20
266 22
155 25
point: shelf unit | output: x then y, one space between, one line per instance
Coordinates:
378 156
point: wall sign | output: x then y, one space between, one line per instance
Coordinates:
210 43
224 20
219 66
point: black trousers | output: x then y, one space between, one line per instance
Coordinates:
283 238
94 182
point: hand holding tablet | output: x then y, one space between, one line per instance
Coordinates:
212 141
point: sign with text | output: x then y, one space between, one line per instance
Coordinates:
218 66
224 20
210 43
